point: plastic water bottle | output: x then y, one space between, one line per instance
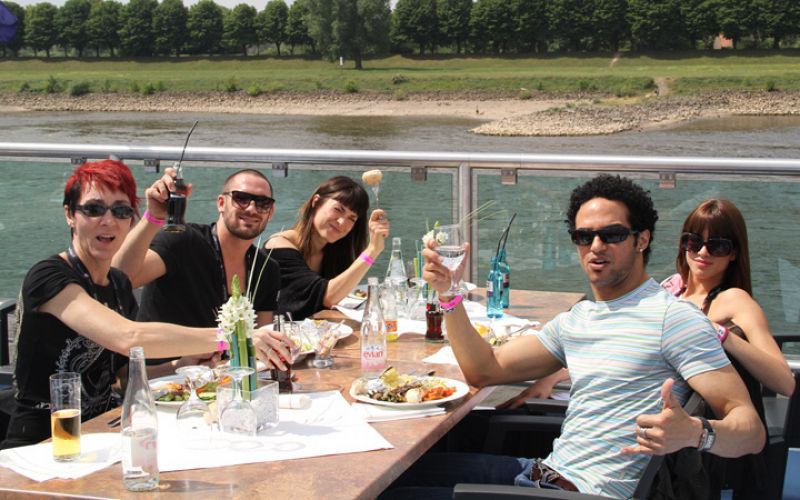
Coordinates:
494 291
396 272
373 334
389 309
505 277
139 428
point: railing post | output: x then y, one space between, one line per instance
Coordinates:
465 207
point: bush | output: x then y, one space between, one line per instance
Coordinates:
230 85
254 90
400 95
771 86
160 87
79 89
350 87
135 87
524 94
148 89
108 87
24 87
53 86
398 79
540 86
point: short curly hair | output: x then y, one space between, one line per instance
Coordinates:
642 215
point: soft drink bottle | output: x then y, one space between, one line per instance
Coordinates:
505 277
396 272
494 288
373 334
389 303
139 428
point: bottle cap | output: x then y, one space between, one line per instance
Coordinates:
372 281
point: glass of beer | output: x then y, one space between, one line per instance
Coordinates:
65 415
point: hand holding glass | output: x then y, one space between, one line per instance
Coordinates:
65 415
450 245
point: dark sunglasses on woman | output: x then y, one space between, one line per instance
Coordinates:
716 247
95 209
610 234
242 200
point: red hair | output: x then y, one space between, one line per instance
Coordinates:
111 175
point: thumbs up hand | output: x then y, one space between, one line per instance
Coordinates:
669 430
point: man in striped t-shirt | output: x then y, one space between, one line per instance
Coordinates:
634 353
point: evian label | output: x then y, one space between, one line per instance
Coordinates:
373 359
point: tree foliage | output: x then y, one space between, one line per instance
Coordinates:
609 24
40 27
454 18
361 27
297 32
71 24
240 28
530 25
416 22
103 26
273 23
492 25
656 24
205 26
136 34
169 27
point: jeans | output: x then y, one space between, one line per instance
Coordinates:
434 475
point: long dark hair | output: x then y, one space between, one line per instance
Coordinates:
722 220
339 255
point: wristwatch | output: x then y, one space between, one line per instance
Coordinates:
707 437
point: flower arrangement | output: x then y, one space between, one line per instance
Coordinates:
237 321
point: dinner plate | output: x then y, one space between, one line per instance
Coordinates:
462 390
158 383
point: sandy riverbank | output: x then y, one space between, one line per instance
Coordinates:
541 115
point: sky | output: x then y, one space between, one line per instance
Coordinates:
258 4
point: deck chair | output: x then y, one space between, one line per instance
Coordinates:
490 491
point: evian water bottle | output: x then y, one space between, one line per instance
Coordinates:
373 334
139 429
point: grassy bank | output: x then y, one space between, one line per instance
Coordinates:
622 76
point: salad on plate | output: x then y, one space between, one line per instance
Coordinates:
393 387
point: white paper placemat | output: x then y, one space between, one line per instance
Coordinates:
328 427
375 413
98 451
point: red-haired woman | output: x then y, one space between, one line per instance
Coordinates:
326 254
75 309
713 266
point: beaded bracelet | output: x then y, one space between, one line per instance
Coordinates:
448 307
152 219
366 258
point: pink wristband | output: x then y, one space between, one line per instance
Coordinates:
366 258
722 333
450 306
152 219
222 345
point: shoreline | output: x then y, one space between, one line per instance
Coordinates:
505 115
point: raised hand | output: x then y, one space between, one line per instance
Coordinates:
158 193
378 229
435 272
667 431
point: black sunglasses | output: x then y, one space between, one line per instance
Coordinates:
242 200
716 247
95 209
611 234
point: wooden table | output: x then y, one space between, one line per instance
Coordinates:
355 475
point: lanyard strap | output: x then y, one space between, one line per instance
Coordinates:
76 263
248 263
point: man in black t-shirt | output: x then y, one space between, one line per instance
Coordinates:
187 275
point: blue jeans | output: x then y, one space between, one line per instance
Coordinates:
434 475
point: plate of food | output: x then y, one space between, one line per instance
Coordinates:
407 391
172 390
358 294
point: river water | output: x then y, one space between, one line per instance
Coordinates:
541 256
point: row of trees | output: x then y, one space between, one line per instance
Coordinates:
354 28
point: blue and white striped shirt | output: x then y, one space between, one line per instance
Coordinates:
619 353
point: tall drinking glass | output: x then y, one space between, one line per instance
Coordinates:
450 245
239 417
65 415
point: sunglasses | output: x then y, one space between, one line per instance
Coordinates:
242 200
611 234
94 209
716 247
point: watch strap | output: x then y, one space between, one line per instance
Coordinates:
707 437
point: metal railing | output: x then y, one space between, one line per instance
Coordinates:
464 167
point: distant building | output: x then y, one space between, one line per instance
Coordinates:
720 42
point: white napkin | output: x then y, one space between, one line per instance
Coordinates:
98 451
294 402
375 413
443 356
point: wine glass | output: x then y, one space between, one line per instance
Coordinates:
238 417
194 416
450 245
